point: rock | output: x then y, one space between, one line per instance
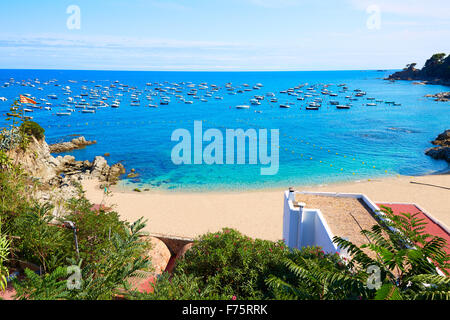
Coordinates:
132 175
442 152
76 143
439 153
443 139
115 172
99 167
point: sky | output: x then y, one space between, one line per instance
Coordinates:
221 35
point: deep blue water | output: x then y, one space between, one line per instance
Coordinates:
363 142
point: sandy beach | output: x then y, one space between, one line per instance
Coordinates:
259 213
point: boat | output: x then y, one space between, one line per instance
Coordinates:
284 106
342 106
60 114
243 107
88 111
312 108
371 104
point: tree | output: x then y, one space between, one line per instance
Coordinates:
407 258
310 274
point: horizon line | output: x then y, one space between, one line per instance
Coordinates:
328 70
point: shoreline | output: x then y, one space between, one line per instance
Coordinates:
120 188
259 213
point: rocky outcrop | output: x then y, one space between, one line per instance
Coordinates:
441 96
443 149
76 143
60 176
435 71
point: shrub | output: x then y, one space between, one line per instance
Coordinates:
230 264
181 287
40 242
314 275
95 229
99 280
32 128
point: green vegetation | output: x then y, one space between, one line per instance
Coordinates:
406 256
32 128
436 68
109 250
4 253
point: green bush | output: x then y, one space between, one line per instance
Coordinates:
39 242
311 274
32 128
230 264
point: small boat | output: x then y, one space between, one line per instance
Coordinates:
88 111
243 107
284 106
312 108
371 104
60 114
341 106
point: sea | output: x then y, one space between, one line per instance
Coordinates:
316 147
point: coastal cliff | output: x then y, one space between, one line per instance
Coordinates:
435 71
60 176
442 151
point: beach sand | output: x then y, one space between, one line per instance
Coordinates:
259 213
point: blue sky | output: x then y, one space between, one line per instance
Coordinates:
222 35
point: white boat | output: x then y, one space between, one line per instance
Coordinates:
243 106
284 106
60 114
341 106
88 111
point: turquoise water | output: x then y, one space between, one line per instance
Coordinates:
370 141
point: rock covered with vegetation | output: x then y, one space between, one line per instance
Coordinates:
436 70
